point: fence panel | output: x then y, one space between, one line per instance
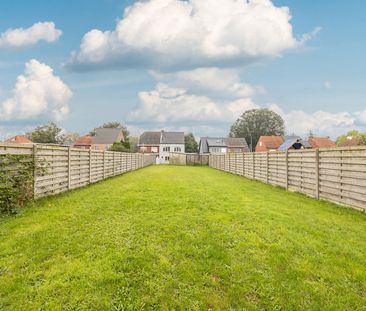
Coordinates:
71 168
337 174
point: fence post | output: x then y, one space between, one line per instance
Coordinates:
286 160
69 168
253 163
114 169
104 164
317 173
267 167
90 166
34 170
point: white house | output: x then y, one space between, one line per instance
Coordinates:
162 144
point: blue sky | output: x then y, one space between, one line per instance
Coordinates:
316 84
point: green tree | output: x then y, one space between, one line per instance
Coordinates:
48 133
120 147
361 137
257 122
190 142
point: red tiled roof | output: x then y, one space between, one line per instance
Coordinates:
351 142
321 142
84 140
19 139
266 143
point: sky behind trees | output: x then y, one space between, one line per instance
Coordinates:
182 65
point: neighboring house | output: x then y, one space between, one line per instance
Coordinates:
103 139
321 142
84 142
19 139
294 142
149 142
217 145
351 142
162 143
268 143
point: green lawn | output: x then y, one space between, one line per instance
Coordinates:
193 238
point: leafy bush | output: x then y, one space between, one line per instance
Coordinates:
16 182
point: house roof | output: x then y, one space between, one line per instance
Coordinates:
84 140
231 142
291 140
107 136
150 138
351 142
172 137
19 139
156 138
266 143
321 142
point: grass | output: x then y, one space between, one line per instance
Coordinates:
194 238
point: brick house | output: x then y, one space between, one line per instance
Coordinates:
18 139
321 142
103 139
161 143
269 143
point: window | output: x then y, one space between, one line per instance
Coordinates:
177 149
166 158
166 149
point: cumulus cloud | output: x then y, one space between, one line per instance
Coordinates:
38 92
213 81
167 104
193 33
320 122
20 37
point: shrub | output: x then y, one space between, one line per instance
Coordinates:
16 182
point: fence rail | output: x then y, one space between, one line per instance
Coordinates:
337 174
71 168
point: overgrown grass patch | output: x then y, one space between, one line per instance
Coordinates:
170 237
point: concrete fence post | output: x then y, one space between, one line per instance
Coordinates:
90 166
317 173
267 167
34 169
286 162
104 164
69 168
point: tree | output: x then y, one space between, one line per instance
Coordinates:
257 122
356 135
120 147
47 134
190 142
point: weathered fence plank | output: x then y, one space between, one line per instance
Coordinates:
335 174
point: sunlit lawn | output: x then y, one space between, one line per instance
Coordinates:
170 237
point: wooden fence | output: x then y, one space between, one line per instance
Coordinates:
71 168
188 159
337 174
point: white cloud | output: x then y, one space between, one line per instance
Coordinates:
38 92
167 104
194 33
213 81
20 37
320 122
327 84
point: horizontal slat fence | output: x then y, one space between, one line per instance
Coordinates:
71 168
336 174
187 159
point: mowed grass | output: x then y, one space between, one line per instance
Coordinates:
189 238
